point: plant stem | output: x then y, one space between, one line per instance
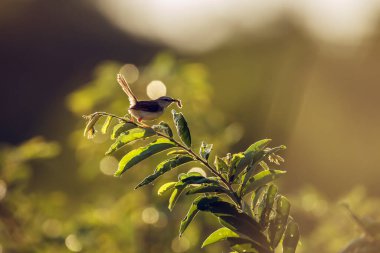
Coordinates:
235 198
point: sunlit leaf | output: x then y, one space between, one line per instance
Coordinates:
206 189
221 234
177 152
193 210
262 178
250 152
106 124
139 154
165 188
130 136
291 237
268 205
236 158
243 245
89 131
175 195
163 128
166 166
278 224
182 128
230 217
220 165
205 150
121 128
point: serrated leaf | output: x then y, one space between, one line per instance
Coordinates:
268 205
291 237
165 188
106 124
205 150
221 234
278 224
193 210
262 178
164 167
139 154
206 189
130 136
163 128
121 128
182 128
175 195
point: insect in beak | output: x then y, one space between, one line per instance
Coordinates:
179 104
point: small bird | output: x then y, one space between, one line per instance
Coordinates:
145 110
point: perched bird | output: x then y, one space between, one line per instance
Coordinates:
145 110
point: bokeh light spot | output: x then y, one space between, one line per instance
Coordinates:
130 72
156 89
72 243
150 215
3 189
199 170
180 244
52 228
108 165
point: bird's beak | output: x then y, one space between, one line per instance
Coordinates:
179 104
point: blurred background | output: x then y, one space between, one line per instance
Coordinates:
304 73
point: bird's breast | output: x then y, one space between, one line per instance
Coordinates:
145 115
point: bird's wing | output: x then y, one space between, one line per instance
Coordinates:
149 106
125 86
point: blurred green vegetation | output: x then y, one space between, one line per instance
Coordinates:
81 207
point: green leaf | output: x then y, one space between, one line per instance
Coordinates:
278 224
196 178
89 131
220 165
121 128
137 155
221 234
242 245
165 188
205 150
206 189
163 128
189 216
291 237
106 124
230 217
236 158
177 152
166 166
130 136
258 195
175 195
262 178
258 204
182 128
250 152
268 205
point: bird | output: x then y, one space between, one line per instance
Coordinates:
145 110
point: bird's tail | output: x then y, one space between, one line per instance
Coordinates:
125 86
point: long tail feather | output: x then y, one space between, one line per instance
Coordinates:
124 85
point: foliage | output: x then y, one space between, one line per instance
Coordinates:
257 226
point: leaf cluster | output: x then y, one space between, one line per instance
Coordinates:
254 216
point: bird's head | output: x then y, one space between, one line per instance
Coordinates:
166 101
